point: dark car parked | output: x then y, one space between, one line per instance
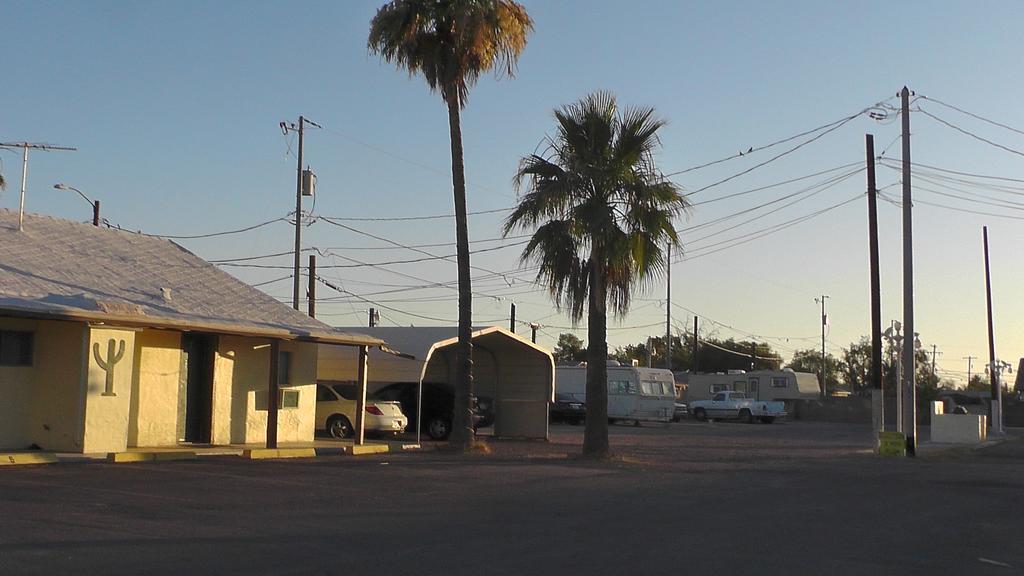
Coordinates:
438 407
567 409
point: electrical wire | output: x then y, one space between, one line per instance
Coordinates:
971 114
834 126
971 134
414 218
752 150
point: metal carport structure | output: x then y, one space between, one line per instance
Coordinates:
516 373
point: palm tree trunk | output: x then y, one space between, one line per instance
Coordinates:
462 421
595 436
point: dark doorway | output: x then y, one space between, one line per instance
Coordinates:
197 352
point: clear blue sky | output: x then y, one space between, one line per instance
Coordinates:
174 107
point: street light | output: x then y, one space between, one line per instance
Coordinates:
997 370
94 203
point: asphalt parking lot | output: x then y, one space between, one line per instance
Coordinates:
694 498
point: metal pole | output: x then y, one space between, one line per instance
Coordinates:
910 405
311 291
993 380
362 377
824 360
298 219
24 180
668 308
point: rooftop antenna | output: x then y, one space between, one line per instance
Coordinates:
25 146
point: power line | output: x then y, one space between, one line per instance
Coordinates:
749 237
833 127
754 149
971 134
414 218
971 114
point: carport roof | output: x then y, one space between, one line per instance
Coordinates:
63 270
418 341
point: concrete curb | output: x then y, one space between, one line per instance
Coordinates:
27 458
125 457
276 453
933 449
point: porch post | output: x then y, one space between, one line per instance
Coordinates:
275 354
360 433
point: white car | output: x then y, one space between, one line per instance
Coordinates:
336 412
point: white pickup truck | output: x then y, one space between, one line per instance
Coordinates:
732 405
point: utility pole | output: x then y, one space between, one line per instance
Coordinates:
25 146
512 318
876 291
374 317
311 291
300 191
650 351
533 331
934 353
970 361
993 380
824 322
910 403
668 309
696 346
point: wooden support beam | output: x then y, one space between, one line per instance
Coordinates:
273 392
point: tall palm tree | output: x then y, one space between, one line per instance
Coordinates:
451 43
603 217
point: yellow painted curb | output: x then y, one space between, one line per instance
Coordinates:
122 457
266 453
24 458
370 449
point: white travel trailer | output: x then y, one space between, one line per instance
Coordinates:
634 393
773 385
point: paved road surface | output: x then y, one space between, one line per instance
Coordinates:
689 498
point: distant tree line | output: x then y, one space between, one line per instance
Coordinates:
851 371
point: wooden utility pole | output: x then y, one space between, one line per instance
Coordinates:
373 317
970 362
876 291
311 291
910 402
824 358
934 352
298 217
696 346
300 191
512 318
668 308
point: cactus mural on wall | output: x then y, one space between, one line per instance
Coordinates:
108 364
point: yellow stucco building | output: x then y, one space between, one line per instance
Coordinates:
111 340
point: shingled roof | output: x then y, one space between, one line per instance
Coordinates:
66 270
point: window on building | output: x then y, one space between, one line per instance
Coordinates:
15 348
779 382
289 399
286 400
